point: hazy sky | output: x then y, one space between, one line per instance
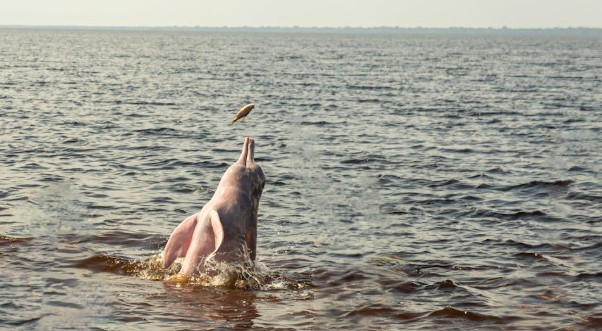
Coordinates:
323 13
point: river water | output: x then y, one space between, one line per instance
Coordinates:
414 181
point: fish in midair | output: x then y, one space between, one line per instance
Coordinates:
243 112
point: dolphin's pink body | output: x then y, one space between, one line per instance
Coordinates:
227 223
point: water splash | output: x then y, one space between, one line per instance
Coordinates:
247 275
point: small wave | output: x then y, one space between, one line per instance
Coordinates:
379 310
101 207
33 166
583 196
157 131
316 123
125 238
491 283
389 179
450 183
461 150
578 169
183 188
210 164
437 202
146 103
6 240
540 185
525 214
443 285
406 287
371 87
589 275
451 312
367 159
105 263
592 247
512 216
530 255
544 246
369 100
480 176
23 322
170 163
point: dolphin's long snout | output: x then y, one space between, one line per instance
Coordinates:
248 151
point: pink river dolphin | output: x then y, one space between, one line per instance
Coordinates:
226 227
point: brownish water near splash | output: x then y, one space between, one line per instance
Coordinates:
413 181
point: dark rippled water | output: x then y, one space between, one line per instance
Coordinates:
413 181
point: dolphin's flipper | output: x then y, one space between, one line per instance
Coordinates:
206 240
179 241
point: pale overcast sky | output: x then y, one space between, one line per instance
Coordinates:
305 13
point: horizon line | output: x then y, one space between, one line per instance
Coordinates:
391 27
